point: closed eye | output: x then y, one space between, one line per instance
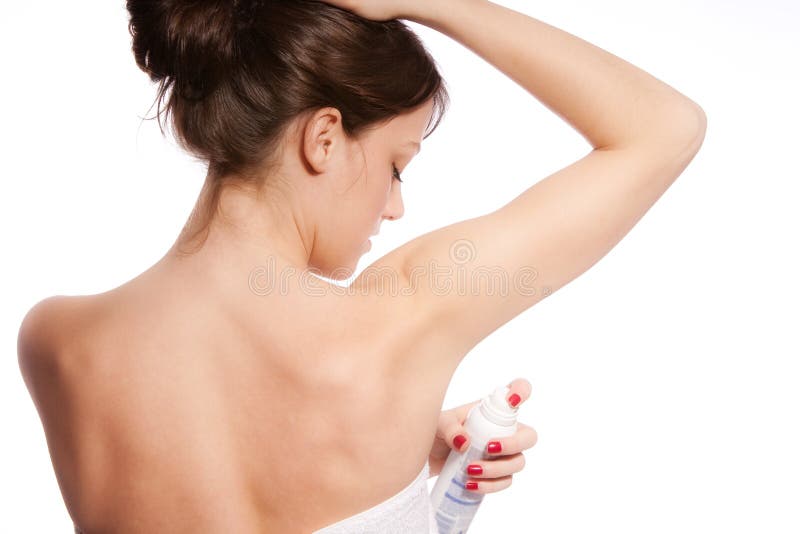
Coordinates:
396 174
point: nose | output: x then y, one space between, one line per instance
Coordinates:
394 207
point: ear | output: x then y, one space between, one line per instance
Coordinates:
323 133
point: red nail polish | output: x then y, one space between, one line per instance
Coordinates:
495 447
475 470
472 485
458 441
514 399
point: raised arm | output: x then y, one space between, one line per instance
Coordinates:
612 103
643 132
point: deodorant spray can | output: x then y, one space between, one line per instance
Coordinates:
455 506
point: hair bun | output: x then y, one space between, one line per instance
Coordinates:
246 12
189 43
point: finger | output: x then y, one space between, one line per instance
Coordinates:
520 391
498 468
525 438
488 486
452 431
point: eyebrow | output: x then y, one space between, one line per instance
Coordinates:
414 143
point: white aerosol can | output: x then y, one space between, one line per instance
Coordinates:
454 506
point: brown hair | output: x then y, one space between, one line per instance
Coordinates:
236 73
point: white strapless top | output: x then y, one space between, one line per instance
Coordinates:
408 512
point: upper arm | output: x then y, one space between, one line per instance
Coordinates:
42 343
469 278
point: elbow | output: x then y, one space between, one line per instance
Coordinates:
696 129
697 122
687 140
703 123
682 131
687 121
677 127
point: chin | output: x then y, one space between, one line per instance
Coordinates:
341 267
338 273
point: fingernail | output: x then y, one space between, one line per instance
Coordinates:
472 485
475 470
458 441
514 399
494 447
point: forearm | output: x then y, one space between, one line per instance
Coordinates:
611 102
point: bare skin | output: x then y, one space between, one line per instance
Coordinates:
217 431
203 404
212 419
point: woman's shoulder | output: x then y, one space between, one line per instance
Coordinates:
42 331
62 332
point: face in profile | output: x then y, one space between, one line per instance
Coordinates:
367 191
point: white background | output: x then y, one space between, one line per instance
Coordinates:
665 379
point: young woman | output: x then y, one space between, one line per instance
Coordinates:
223 389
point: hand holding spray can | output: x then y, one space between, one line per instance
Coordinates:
455 506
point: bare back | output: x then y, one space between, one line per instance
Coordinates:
171 411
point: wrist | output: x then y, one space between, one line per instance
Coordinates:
432 13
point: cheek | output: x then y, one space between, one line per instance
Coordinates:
373 207
381 192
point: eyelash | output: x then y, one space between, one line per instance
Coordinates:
396 174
